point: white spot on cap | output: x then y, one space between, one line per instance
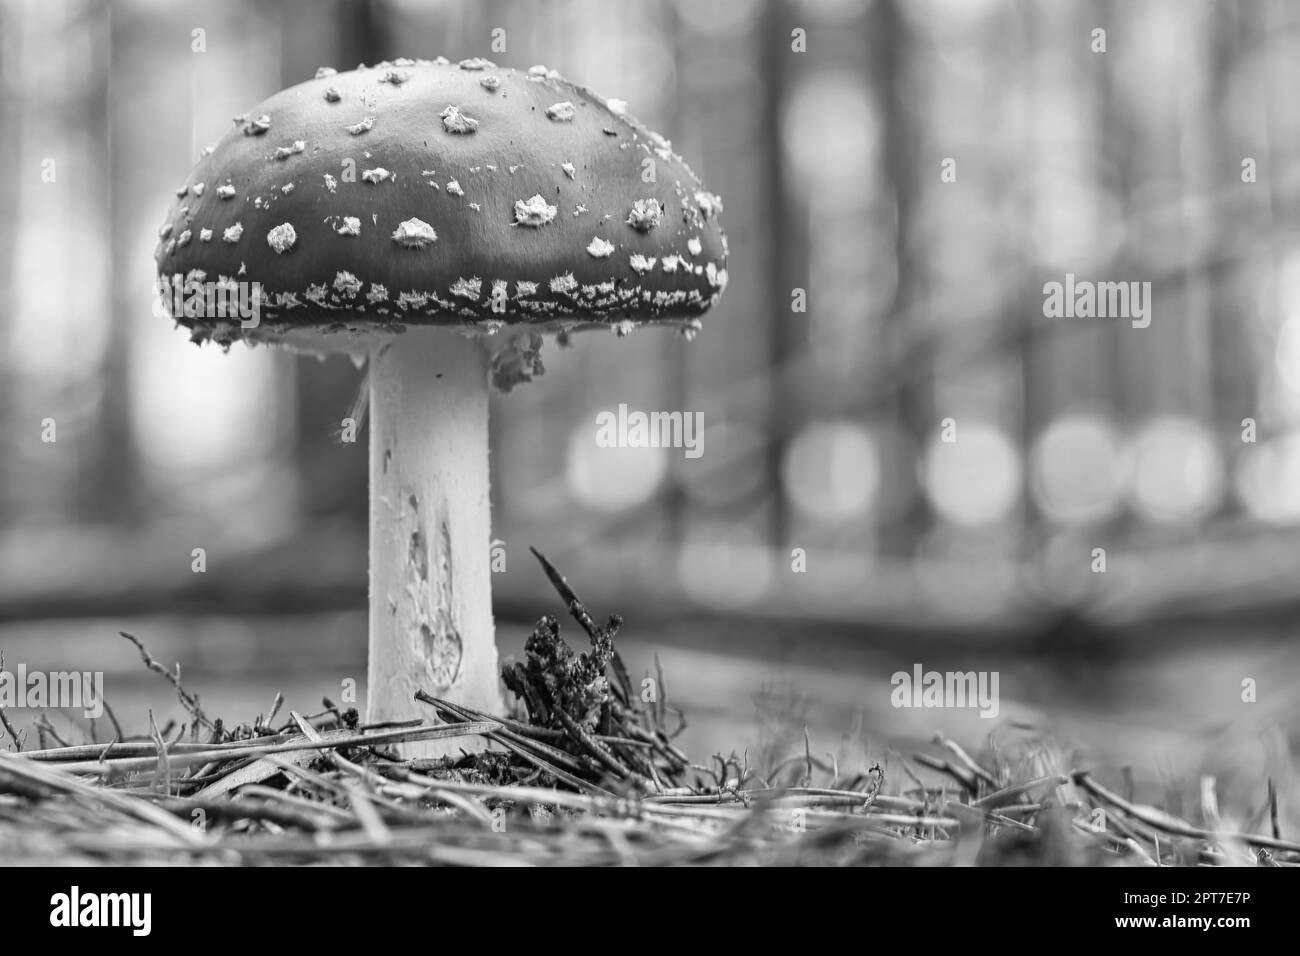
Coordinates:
578 210
533 212
640 263
226 191
598 248
453 187
561 112
710 203
376 175
475 206
205 235
414 234
467 288
257 127
233 233
523 288
454 121
670 263
351 226
165 231
625 328
403 61
396 77
197 188
356 129
616 106
476 63
412 299
490 83
347 284
330 182
332 95
183 239
645 215
564 283
325 71
182 191
282 238
286 188
284 152
694 245
568 169
377 293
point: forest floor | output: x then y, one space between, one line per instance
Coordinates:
1158 737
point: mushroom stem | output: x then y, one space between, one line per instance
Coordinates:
430 521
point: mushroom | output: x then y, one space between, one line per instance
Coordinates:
568 214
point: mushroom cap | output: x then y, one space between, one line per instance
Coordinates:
433 193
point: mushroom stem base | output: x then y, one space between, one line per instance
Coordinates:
431 623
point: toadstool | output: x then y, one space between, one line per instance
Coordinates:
445 291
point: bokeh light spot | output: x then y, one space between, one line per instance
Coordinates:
974 480
613 479
831 470
1077 469
1177 473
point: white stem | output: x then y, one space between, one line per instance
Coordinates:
430 525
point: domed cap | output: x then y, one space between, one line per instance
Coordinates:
435 193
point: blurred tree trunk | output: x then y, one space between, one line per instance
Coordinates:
891 55
1234 373
9 153
1036 405
114 478
785 237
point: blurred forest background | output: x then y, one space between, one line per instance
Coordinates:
824 427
